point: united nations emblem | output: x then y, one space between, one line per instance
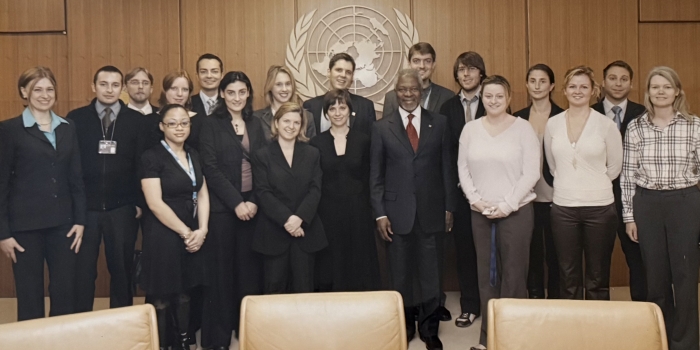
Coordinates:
379 49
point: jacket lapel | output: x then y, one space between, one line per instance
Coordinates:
267 117
34 131
426 129
278 156
396 126
60 134
432 99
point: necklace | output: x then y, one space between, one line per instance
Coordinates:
571 134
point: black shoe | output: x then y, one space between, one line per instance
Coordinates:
465 320
443 314
410 334
432 342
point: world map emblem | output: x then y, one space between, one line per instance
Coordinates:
378 46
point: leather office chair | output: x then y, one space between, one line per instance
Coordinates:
127 328
328 321
526 324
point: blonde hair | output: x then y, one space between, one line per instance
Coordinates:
680 104
31 76
289 107
168 82
270 83
583 70
497 80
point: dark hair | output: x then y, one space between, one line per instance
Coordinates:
421 48
543 67
210 56
341 56
108 69
230 78
132 73
470 59
336 95
167 108
621 64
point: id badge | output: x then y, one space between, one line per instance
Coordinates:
107 147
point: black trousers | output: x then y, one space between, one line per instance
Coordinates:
52 245
542 252
584 232
513 234
668 228
413 257
289 272
119 228
633 257
466 259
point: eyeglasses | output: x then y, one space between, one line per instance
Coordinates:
173 125
469 69
135 82
412 90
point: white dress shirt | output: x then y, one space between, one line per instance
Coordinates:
607 107
205 101
146 110
416 119
474 104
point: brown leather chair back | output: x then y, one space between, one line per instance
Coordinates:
574 325
328 321
127 328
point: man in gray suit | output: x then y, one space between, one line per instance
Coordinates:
413 193
421 57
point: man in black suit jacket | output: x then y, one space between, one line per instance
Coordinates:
341 70
413 194
617 85
421 57
210 70
111 142
469 71
139 86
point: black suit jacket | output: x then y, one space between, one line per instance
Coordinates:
438 96
362 121
525 114
40 187
265 116
198 105
284 191
222 155
632 111
404 183
454 111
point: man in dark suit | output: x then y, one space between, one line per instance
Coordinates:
341 70
413 194
421 57
139 86
210 70
469 71
616 86
111 143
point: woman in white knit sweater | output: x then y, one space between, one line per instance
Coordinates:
584 152
499 165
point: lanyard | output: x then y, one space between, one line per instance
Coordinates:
190 173
114 126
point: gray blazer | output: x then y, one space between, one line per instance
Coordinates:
265 116
438 96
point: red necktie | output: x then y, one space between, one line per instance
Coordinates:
412 133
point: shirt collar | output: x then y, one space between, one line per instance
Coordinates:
205 98
607 105
148 109
101 108
29 120
477 95
404 113
645 118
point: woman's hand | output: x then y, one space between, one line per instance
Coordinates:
8 246
252 209
496 214
243 212
631 229
293 223
196 240
298 232
480 206
76 230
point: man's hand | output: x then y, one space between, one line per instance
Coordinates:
8 246
384 227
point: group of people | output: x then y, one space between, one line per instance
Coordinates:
235 202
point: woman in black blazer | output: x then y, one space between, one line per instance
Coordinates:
540 84
228 138
287 177
42 198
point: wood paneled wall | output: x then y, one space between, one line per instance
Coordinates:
511 35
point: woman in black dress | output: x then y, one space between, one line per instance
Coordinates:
540 84
229 136
42 198
176 224
287 176
350 262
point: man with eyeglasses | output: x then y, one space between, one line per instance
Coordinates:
110 143
469 71
139 86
